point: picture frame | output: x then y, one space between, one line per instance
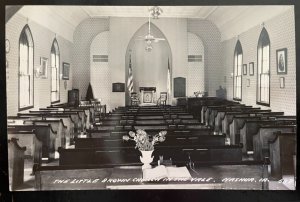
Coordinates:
43 70
281 61
65 71
282 82
118 87
244 69
251 68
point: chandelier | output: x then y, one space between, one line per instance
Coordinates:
155 11
148 46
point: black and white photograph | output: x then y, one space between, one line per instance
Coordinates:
251 68
151 97
65 71
282 82
244 69
43 69
281 58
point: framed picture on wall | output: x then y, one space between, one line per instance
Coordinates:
281 61
244 69
282 82
251 68
43 68
65 71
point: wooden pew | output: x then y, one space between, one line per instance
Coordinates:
44 133
227 119
29 140
74 115
262 137
57 126
217 120
118 155
67 120
117 141
225 116
98 156
238 122
282 149
211 111
83 114
251 127
197 106
16 163
208 110
185 131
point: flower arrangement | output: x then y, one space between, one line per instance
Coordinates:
143 140
197 93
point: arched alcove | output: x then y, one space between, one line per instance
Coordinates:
149 69
99 68
196 65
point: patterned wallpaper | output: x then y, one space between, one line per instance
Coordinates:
100 72
211 38
281 30
43 38
195 79
84 34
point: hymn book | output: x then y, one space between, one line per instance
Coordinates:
162 171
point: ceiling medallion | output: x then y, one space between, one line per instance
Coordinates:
155 11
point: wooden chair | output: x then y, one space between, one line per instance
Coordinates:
134 99
163 98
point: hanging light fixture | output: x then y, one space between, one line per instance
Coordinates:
155 11
148 46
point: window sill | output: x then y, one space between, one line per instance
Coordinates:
263 104
237 99
54 102
25 108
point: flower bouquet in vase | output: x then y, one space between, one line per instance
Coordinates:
145 143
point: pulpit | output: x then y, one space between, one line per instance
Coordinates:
148 95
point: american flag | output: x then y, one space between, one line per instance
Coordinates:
169 80
130 77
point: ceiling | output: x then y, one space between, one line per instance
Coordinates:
224 17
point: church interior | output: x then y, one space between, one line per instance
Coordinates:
151 97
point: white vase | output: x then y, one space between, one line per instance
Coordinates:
146 159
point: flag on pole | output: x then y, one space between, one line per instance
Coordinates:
130 77
169 79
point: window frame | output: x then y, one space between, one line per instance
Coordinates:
258 75
26 27
237 52
58 70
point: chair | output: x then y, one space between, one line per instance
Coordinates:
163 98
134 98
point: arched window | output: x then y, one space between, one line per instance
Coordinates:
237 71
54 72
263 69
26 48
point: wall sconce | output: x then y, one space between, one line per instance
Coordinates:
231 75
